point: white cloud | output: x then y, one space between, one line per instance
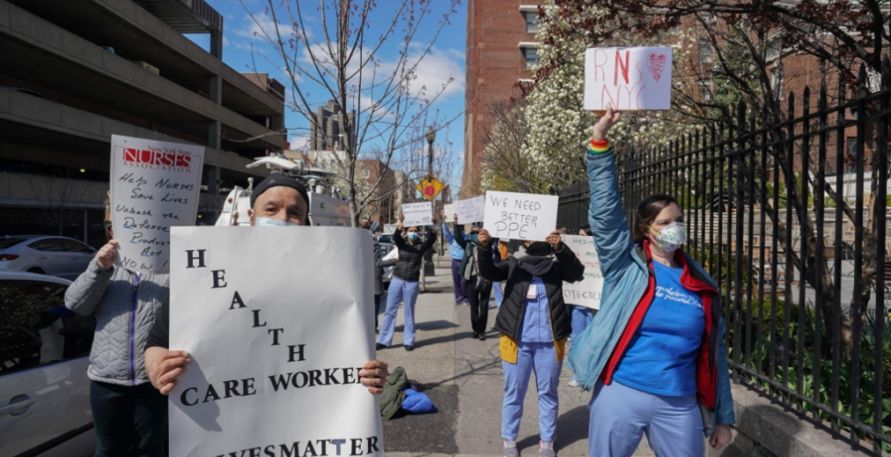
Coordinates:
298 142
437 72
263 27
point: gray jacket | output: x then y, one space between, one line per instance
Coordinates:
126 305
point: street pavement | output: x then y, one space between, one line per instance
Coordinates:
462 376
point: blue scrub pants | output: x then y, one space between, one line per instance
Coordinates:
620 415
541 358
400 290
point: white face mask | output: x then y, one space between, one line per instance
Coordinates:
270 222
671 237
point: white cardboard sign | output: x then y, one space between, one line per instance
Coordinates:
154 185
417 214
628 78
263 312
471 210
449 210
587 291
516 216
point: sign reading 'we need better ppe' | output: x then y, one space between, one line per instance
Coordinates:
516 216
278 322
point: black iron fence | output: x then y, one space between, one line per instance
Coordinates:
791 218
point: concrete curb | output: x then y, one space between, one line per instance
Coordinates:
765 429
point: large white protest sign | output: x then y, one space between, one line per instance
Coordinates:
154 185
450 211
587 291
417 214
277 321
628 78
514 216
471 210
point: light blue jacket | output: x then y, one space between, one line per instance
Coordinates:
455 248
625 281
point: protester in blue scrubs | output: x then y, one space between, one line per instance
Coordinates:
655 354
534 323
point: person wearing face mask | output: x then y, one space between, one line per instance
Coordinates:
478 287
654 354
404 285
534 323
129 416
277 201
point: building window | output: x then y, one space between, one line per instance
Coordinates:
366 174
531 18
705 51
776 83
530 55
774 48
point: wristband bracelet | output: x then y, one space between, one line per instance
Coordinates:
598 146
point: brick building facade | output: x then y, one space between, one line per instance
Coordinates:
500 49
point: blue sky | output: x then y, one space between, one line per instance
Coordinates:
245 50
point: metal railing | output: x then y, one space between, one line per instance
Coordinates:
804 272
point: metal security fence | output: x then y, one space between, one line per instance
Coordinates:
790 217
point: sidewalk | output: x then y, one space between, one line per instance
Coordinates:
463 378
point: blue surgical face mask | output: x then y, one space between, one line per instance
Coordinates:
412 236
270 222
474 237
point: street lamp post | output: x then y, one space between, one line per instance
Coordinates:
431 137
428 256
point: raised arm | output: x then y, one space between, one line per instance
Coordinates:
609 226
489 269
447 233
85 293
571 268
431 238
459 235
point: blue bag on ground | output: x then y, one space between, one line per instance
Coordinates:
417 403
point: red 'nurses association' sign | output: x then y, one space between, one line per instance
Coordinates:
154 185
628 78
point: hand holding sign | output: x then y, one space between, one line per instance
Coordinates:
628 78
515 216
108 254
604 123
483 237
554 240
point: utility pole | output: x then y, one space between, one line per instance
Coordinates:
428 256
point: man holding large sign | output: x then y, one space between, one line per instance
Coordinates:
628 78
291 362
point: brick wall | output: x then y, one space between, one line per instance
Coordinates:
494 65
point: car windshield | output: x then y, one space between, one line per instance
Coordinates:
385 239
10 242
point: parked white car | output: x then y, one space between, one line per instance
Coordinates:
52 255
44 349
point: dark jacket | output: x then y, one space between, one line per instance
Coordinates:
408 267
510 316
